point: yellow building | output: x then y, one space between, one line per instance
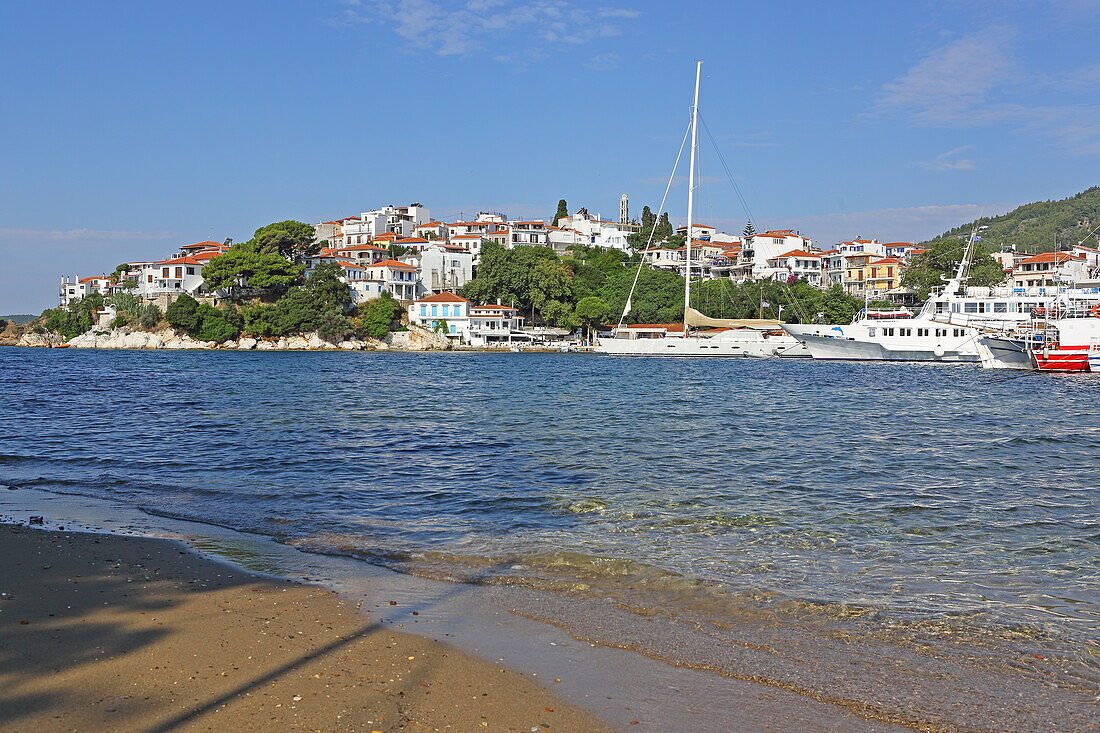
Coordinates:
881 276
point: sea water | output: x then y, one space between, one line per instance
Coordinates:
746 510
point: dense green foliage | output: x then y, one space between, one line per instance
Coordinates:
928 270
203 321
78 318
293 240
377 317
552 289
133 311
319 305
261 270
1039 226
563 211
591 310
269 262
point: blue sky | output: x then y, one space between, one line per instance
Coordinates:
133 127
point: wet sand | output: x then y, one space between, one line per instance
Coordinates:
103 632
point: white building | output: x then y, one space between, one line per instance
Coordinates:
495 325
444 267
591 231
400 279
797 264
399 220
760 248
1050 268
444 313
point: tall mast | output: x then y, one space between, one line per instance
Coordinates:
691 194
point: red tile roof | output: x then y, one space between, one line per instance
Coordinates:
798 253
204 245
393 264
1051 257
181 261
887 261
443 298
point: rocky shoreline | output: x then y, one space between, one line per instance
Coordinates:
414 339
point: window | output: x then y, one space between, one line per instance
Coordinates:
423 311
452 328
922 331
435 310
960 332
941 332
1000 307
889 272
164 272
446 311
871 332
190 270
179 272
970 307
905 332
887 332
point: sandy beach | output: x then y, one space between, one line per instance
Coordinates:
101 632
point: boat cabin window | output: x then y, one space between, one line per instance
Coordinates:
1000 307
941 331
960 332
905 332
887 332
922 331
940 307
871 332
970 307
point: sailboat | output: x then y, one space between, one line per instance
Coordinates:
752 337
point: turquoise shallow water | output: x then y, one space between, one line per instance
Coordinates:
906 494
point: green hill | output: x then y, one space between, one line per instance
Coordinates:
1039 227
19 319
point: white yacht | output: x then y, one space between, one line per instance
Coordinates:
949 327
722 337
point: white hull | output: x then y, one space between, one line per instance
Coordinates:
1003 353
755 346
884 341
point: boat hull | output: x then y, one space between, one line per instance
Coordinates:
1003 353
691 346
827 348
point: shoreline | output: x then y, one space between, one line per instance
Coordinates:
614 681
138 633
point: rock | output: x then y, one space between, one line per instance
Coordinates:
347 345
40 339
266 345
281 343
246 343
296 342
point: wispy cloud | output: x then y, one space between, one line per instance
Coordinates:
40 235
603 62
950 161
977 80
450 28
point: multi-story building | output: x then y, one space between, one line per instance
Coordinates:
494 325
794 265
1050 268
400 278
759 248
444 313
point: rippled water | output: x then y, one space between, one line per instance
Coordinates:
907 493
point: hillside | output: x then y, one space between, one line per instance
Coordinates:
18 319
1041 226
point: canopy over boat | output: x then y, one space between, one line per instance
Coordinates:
695 318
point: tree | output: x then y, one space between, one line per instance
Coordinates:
376 317
78 318
550 281
648 218
247 264
749 231
591 310
928 270
293 240
330 292
563 211
182 314
663 230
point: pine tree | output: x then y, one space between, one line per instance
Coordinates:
648 219
749 232
563 210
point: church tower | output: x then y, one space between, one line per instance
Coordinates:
624 210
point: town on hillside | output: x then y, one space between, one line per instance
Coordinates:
402 252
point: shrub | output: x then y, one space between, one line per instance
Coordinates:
202 321
376 318
183 314
119 321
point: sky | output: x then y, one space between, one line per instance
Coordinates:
130 128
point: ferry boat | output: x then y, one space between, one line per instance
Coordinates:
949 327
